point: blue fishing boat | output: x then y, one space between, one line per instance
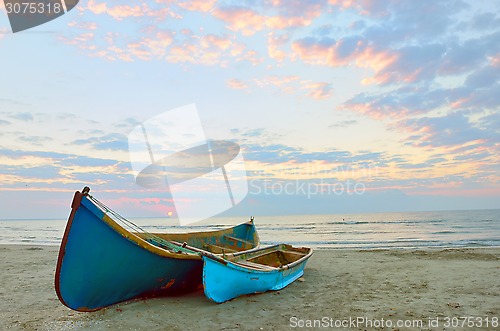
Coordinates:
105 259
258 270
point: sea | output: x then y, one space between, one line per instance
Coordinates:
443 229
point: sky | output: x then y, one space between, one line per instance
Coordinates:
339 106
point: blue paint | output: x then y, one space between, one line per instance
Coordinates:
224 280
99 267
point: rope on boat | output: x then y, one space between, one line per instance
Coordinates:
132 227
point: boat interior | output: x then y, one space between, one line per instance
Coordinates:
273 257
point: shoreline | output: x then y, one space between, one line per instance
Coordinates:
315 247
338 285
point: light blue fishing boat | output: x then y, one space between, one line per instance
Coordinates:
254 271
105 259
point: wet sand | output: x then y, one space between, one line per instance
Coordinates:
341 290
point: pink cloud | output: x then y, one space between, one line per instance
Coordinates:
83 25
213 41
117 12
250 55
241 19
197 5
3 32
96 8
316 52
153 47
82 40
237 84
320 90
283 83
175 47
207 50
248 21
294 13
120 12
495 60
274 44
344 52
287 84
379 61
282 22
275 2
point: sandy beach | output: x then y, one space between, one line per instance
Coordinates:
435 289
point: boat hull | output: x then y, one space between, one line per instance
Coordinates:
101 263
224 280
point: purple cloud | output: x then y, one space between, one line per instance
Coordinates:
453 129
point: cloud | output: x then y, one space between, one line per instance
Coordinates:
405 20
343 124
25 117
236 84
254 132
48 172
197 5
240 18
478 92
320 90
366 7
35 140
485 21
83 25
315 163
274 44
208 50
411 64
111 141
12 102
495 60
283 83
483 77
153 47
280 15
399 103
118 12
55 171
463 56
121 12
491 123
350 50
405 44
158 43
450 130
407 64
286 84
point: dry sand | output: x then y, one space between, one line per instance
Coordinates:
404 285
